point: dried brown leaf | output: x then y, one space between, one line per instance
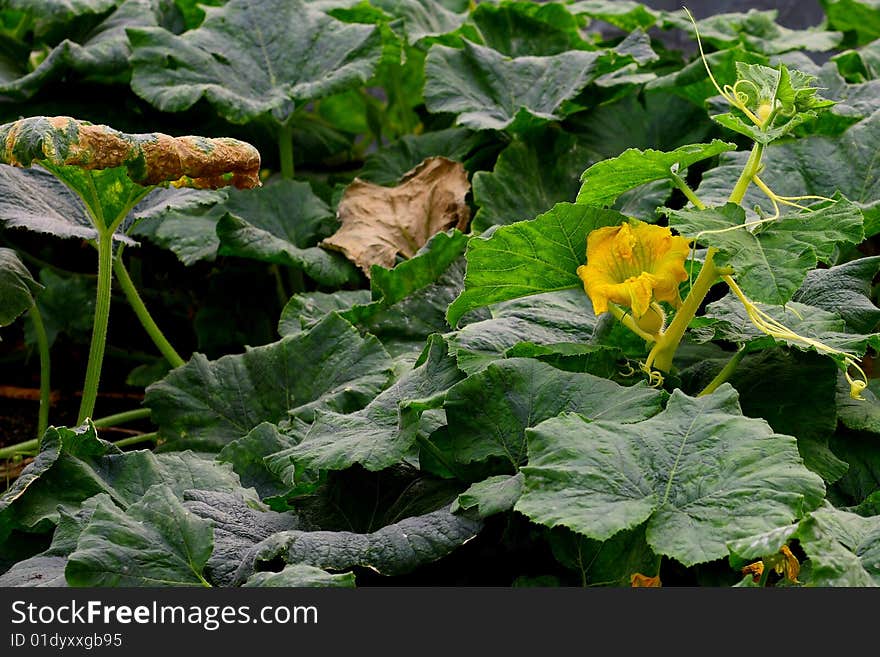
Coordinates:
150 158
380 222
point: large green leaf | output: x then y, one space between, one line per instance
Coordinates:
238 524
393 550
493 495
518 393
812 165
858 17
299 575
603 182
281 223
155 542
700 473
520 29
531 175
74 464
845 290
36 200
624 14
210 403
843 548
757 30
17 287
604 563
67 305
380 434
422 19
247 457
102 52
489 91
540 325
181 220
772 262
252 59
529 257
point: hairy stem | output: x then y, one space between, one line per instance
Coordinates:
45 370
121 418
725 373
627 320
753 166
99 329
147 321
679 182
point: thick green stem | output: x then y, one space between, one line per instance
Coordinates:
664 350
285 151
45 370
687 191
99 329
27 447
137 304
137 440
724 374
753 166
122 418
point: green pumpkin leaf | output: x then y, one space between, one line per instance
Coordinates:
624 14
300 575
518 393
520 29
101 52
854 17
531 175
604 563
529 257
772 262
551 324
845 290
281 223
699 473
74 464
843 548
757 30
17 287
380 434
489 91
155 542
491 496
605 181
210 403
249 60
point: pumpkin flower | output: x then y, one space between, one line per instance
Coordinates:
634 265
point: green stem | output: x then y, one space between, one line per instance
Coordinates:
136 440
664 350
679 182
753 165
724 374
285 151
137 304
122 418
26 447
428 444
99 329
45 370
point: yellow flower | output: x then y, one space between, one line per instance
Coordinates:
632 265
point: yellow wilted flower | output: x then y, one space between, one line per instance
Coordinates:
633 265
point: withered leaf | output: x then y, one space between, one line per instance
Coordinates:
149 159
380 222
